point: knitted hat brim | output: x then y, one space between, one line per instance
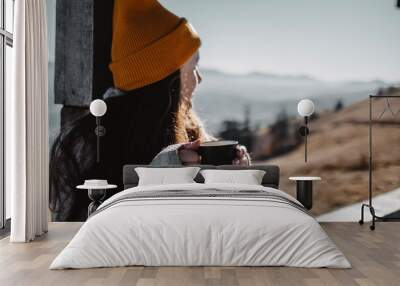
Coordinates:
157 60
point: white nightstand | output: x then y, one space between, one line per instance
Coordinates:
304 190
96 195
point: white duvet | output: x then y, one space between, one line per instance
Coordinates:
200 231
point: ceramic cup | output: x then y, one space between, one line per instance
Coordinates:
218 152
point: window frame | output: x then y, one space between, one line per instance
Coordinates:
6 39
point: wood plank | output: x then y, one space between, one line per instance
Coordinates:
375 257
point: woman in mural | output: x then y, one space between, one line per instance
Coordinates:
154 66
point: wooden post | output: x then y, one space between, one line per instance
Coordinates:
82 56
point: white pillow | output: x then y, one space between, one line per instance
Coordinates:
248 177
163 176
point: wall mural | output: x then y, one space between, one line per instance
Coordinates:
255 63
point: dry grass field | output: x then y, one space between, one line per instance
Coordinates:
338 152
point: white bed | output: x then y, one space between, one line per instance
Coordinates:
239 229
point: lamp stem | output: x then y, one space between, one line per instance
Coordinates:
98 140
305 139
305 149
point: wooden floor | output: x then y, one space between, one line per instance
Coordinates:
375 257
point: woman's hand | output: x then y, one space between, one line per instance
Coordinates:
188 153
242 156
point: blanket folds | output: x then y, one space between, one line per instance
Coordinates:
201 225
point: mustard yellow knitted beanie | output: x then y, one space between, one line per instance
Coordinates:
149 43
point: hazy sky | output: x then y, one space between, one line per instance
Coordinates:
331 40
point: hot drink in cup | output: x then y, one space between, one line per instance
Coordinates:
221 152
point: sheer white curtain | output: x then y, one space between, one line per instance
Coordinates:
27 124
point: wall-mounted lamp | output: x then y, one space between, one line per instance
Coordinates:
98 108
305 108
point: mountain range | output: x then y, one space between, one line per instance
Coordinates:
224 96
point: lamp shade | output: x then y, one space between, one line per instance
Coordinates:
98 107
305 107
